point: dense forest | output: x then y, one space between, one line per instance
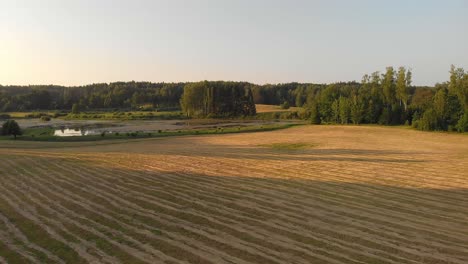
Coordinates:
218 99
387 98
95 96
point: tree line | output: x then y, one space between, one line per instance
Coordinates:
387 98
94 96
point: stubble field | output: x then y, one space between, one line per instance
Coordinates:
309 194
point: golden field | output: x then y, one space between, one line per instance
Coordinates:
308 194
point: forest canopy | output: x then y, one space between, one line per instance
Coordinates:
94 96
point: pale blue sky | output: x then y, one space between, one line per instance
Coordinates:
79 42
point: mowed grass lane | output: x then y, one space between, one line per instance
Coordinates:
339 194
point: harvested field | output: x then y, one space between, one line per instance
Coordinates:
310 194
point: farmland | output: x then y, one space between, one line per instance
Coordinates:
307 194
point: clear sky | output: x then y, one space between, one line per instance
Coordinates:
262 41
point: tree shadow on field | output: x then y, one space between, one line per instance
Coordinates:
309 154
308 212
258 220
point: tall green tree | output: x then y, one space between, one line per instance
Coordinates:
388 86
402 86
300 96
344 110
335 107
194 100
440 105
459 85
409 78
356 110
314 113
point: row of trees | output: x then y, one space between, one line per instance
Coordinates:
387 98
379 98
390 99
137 94
94 96
218 99
448 109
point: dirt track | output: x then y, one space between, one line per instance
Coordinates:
355 195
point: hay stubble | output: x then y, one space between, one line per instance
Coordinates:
337 195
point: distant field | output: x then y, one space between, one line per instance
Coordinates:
128 115
24 114
309 194
105 115
262 108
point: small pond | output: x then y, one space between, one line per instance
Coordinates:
71 132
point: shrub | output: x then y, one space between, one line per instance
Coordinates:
36 115
5 116
45 118
103 133
288 115
415 120
147 108
75 109
462 124
315 116
285 105
428 121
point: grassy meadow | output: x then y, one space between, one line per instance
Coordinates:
306 194
47 133
100 115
